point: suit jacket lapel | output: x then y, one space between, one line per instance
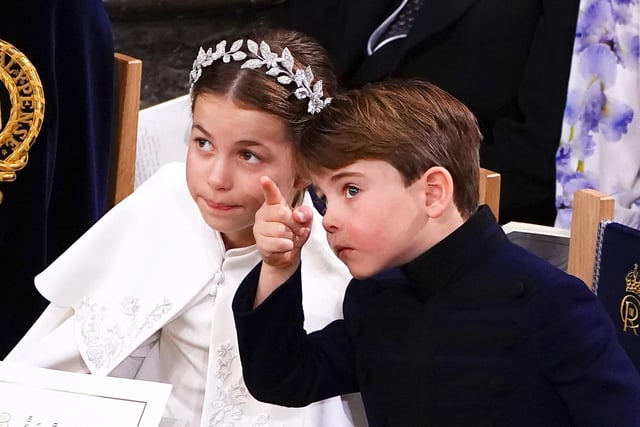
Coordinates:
434 16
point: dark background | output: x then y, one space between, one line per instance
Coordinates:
166 35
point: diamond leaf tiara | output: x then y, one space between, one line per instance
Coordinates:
280 67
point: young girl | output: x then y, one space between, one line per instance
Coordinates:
146 293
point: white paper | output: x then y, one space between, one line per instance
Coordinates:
163 131
549 243
36 397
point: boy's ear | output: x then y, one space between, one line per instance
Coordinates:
438 185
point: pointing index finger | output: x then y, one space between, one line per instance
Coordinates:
272 195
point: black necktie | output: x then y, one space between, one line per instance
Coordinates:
403 22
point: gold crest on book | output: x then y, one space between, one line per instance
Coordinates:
630 304
23 121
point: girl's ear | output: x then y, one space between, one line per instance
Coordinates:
299 186
300 183
438 185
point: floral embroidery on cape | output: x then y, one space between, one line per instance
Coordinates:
105 342
226 407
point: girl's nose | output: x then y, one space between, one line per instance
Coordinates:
220 174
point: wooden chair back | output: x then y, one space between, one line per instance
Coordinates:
490 190
589 208
127 106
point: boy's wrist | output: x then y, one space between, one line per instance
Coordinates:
271 278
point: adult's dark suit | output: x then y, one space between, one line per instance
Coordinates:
63 189
507 60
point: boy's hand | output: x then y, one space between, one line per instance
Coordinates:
280 232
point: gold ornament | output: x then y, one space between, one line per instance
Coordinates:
26 96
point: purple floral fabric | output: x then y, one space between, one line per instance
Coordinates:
600 143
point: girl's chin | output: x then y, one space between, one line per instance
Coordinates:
234 236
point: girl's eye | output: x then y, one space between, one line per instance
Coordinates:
204 144
250 157
351 191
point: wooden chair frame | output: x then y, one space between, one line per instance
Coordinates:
489 189
128 86
589 208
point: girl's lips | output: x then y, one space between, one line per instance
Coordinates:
219 206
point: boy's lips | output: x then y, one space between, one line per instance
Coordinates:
341 250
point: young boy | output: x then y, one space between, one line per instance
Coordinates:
469 330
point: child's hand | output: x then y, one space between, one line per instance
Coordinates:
280 232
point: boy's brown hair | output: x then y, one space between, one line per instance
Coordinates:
413 125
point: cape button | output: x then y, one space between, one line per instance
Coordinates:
218 278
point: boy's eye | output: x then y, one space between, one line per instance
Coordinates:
351 191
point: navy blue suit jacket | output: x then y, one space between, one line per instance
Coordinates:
476 331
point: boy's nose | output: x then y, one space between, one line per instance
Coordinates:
329 221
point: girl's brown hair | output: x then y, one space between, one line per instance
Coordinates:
413 125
